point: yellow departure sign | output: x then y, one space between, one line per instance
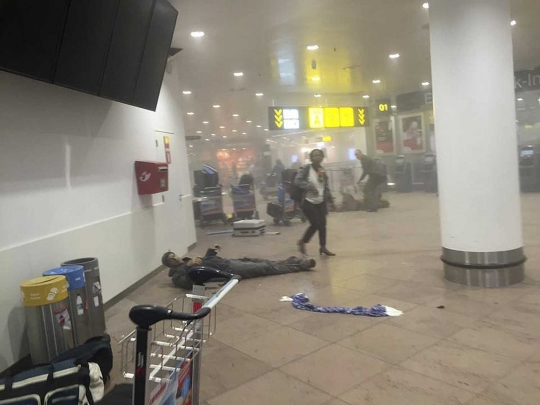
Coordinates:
284 118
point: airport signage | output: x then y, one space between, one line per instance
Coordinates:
526 80
384 107
282 118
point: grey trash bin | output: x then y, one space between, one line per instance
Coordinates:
78 302
93 292
46 308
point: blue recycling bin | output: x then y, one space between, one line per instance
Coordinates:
78 325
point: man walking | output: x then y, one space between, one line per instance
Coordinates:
371 190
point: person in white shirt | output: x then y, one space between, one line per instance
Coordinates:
312 179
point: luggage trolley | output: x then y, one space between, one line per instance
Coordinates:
244 202
163 354
286 208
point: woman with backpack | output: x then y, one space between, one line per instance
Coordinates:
313 182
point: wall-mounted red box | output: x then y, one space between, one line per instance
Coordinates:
152 177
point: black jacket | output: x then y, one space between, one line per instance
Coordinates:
179 274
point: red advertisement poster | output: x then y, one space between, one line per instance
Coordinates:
384 136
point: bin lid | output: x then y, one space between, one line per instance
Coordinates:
73 274
44 290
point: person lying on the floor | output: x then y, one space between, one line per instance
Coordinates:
245 268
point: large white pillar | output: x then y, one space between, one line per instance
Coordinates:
474 103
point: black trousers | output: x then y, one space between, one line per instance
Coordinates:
372 192
316 215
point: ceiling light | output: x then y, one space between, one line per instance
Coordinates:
317 95
259 94
186 92
234 130
249 121
393 106
312 47
244 148
213 134
394 56
190 113
258 126
520 99
207 139
513 22
316 79
266 129
244 133
235 115
199 132
205 122
222 127
191 146
365 96
216 106
224 136
425 5
197 34
238 74
425 83
376 81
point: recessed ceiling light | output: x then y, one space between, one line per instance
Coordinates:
249 121
222 127
235 130
259 126
216 106
199 132
224 136
365 96
394 56
376 81
513 22
266 129
259 94
190 113
213 134
238 74
235 115
425 83
316 79
197 34
207 139
520 99
393 106
425 5
186 92
312 47
244 133
317 96
244 148
205 122
191 146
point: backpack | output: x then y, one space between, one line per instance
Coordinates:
295 191
95 350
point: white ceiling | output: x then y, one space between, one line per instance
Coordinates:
267 39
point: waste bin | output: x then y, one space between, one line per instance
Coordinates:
93 292
46 307
78 302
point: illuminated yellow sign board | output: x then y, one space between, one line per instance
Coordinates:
316 117
283 118
327 138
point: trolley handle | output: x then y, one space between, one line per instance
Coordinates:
145 316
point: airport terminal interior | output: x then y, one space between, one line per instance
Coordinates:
129 129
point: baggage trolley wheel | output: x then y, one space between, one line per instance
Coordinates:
276 221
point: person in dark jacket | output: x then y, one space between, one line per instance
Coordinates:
278 170
245 267
371 189
316 197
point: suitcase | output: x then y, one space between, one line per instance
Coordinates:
275 210
249 227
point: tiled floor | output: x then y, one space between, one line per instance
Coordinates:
482 348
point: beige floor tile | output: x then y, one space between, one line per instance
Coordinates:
521 387
461 304
368 283
518 318
414 292
224 368
334 296
335 402
252 301
532 298
461 366
334 369
281 346
486 336
480 400
274 388
398 386
234 331
283 313
388 343
334 327
497 295
432 321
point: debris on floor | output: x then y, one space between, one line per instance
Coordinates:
301 301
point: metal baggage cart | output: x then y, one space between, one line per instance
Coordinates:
244 202
163 354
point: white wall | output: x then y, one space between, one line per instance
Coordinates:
67 190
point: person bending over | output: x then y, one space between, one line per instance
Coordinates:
245 268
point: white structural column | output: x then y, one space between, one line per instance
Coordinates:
474 104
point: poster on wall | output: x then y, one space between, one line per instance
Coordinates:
412 132
384 136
